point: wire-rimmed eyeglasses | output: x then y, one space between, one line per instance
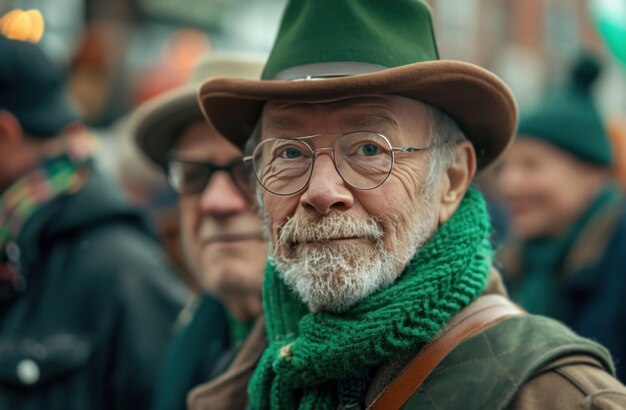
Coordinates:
363 159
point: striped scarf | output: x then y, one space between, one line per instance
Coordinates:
56 176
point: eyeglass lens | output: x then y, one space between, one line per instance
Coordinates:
284 166
190 177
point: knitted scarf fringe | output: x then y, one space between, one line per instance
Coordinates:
308 350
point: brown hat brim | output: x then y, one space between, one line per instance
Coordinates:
156 125
480 103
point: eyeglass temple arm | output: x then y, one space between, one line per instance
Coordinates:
247 158
408 149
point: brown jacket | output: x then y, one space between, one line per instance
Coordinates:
573 382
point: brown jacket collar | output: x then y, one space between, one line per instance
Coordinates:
229 391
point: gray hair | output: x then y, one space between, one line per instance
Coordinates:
445 134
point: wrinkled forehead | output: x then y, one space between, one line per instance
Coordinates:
199 140
382 113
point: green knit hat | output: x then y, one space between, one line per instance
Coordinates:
330 50
569 119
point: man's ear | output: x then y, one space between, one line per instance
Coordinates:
10 130
457 179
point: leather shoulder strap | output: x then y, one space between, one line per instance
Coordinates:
484 312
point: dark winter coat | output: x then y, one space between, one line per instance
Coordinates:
199 352
90 329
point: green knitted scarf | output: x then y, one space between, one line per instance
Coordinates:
310 354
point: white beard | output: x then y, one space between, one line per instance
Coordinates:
335 275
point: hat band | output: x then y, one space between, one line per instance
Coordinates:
320 71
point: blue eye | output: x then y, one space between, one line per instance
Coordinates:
368 150
291 153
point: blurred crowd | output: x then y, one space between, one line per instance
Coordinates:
132 240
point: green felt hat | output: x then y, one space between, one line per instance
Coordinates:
569 119
328 50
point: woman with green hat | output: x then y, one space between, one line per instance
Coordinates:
568 217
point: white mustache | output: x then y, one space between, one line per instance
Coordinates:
311 228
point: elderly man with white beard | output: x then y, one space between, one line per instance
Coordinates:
380 291
333 258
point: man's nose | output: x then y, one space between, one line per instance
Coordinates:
220 196
327 191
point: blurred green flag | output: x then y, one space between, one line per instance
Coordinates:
609 17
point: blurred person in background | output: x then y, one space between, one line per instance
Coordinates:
146 187
567 255
87 300
221 231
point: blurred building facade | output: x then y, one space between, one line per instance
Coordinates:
123 52
528 43
128 49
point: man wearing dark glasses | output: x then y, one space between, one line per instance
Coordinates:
221 232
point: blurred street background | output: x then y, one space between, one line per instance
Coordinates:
122 52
